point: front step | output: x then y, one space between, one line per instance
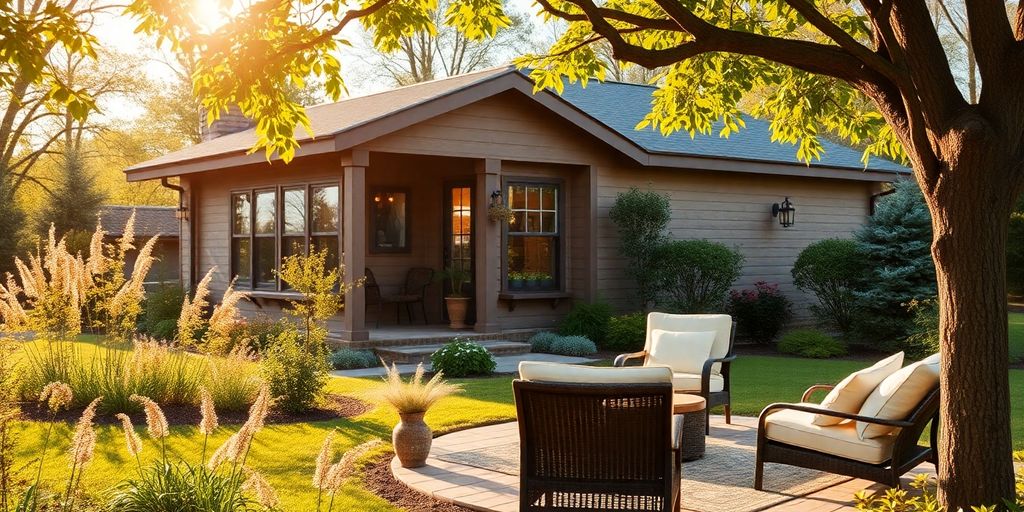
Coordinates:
421 353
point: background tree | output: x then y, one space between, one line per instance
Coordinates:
822 65
424 55
895 248
75 200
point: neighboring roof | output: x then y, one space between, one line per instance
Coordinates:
149 220
608 110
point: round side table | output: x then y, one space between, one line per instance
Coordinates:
692 409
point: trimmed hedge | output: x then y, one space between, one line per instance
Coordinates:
626 333
811 343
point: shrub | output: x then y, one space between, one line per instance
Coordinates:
161 311
626 333
541 342
461 357
641 217
760 313
295 372
349 359
922 497
576 346
260 331
924 336
233 381
831 269
590 320
896 248
694 275
811 343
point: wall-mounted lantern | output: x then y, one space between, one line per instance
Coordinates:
498 211
785 212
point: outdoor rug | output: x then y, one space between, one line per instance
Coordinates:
722 481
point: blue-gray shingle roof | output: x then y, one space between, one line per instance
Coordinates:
620 106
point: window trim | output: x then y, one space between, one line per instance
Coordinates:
559 234
307 235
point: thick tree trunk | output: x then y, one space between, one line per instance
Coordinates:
970 215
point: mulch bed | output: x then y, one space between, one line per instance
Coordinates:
378 479
333 407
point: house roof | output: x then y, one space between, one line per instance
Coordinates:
608 110
149 220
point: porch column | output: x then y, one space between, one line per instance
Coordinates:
487 245
354 242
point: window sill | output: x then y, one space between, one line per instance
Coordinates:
555 297
264 297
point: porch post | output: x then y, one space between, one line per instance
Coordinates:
354 242
487 245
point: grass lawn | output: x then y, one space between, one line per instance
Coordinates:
1017 337
285 453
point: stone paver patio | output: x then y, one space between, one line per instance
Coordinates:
487 490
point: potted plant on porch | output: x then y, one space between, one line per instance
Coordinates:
455 301
411 399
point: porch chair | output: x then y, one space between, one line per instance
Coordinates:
698 349
879 442
597 438
413 291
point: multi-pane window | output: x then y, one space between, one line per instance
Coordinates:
533 236
269 225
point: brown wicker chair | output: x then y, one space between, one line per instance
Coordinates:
413 291
608 446
906 452
713 383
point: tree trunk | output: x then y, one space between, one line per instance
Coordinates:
970 214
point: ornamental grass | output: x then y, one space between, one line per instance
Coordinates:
414 395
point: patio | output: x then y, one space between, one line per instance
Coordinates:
477 468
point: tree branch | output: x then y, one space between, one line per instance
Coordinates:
991 38
1018 22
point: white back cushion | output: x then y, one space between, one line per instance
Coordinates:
684 352
720 324
555 372
898 395
849 395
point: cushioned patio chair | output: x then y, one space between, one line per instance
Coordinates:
696 368
879 446
597 438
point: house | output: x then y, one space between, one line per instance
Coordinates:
150 221
405 178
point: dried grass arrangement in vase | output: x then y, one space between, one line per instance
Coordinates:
411 399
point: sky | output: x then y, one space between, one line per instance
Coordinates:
118 32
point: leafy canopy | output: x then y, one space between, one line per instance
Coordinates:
270 47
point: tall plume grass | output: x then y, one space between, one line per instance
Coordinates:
190 321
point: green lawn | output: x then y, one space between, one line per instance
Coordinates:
1017 337
285 453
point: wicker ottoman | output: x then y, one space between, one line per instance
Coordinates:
692 409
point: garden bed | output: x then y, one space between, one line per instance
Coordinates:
334 406
377 478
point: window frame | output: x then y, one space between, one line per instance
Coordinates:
560 234
307 235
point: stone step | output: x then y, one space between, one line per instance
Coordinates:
413 354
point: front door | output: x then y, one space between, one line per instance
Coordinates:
458 240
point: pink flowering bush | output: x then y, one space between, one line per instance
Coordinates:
761 312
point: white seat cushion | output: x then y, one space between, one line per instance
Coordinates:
898 395
555 372
849 395
797 428
720 324
690 382
682 351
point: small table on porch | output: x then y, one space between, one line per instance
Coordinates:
692 409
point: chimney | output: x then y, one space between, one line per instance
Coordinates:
229 122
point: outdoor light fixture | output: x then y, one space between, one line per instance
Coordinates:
496 198
785 212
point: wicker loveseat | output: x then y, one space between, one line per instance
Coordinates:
788 434
711 380
597 438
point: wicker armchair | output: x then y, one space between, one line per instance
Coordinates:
881 460
713 382
597 439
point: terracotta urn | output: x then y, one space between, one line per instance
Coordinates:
411 439
457 307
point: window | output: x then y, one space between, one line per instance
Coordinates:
533 245
269 225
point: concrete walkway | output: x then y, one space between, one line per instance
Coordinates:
506 364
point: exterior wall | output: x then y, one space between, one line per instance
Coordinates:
734 209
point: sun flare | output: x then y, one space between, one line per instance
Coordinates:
209 14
